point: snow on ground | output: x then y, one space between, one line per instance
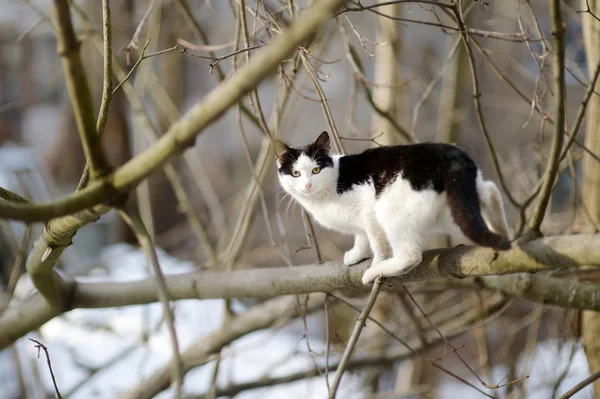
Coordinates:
99 353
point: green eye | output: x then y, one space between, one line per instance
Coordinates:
316 170
295 173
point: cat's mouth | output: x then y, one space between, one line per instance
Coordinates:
306 192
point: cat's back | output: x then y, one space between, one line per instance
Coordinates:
423 165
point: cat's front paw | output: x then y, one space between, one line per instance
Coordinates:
370 275
389 268
354 256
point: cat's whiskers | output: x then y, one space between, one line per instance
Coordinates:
290 203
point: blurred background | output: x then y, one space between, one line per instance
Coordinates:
369 79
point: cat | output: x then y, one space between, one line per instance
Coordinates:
391 198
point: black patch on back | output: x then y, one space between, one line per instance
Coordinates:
319 154
422 165
437 166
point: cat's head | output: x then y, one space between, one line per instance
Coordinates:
306 171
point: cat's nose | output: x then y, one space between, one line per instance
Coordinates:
307 186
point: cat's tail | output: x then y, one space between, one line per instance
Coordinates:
468 197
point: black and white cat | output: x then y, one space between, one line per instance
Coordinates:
394 197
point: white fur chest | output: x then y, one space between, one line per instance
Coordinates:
343 213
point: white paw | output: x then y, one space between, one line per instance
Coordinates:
370 275
354 256
388 268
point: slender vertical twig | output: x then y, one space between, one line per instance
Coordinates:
108 73
15 271
358 326
328 343
145 241
477 100
107 85
41 346
558 71
68 47
326 110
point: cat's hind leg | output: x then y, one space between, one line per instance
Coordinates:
405 224
360 251
407 255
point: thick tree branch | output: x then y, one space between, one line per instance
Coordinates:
182 134
460 262
548 290
58 233
55 238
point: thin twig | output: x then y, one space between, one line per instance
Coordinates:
253 95
513 37
581 112
145 241
143 56
429 89
221 58
513 86
68 47
358 326
455 350
198 47
581 385
196 30
39 346
430 344
589 11
357 67
15 271
558 71
108 73
324 105
477 100
328 343
133 43
106 86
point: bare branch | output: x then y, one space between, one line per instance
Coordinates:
558 70
15 272
81 101
182 134
39 346
581 385
107 92
10 196
358 326
460 262
199 352
145 241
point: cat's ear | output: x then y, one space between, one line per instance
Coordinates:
323 141
279 148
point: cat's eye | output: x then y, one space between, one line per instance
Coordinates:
316 170
295 173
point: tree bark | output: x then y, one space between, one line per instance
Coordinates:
591 173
